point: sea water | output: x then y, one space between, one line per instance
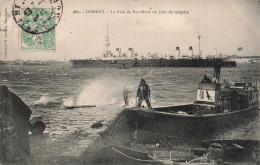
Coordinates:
46 89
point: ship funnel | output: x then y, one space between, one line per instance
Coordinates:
119 52
132 52
190 51
217 68
177 52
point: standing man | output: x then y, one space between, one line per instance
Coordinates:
125 95
143 93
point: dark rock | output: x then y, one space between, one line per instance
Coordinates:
97 125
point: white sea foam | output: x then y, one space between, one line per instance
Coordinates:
43 100
101 92
26 73
70 101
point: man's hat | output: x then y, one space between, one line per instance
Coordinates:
142 80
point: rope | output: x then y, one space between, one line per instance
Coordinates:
203 158
131 98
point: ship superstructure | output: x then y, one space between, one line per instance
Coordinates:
132 59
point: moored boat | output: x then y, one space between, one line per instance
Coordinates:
218 107
120 154
176 152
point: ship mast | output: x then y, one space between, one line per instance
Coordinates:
199 36
107 40
199 44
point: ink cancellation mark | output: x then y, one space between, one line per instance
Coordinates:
37 17
37 20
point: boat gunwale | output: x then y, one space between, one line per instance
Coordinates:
192 116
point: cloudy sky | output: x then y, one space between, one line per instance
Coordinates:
225 25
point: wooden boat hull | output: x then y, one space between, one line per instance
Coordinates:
188 126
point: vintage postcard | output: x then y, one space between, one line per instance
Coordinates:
129 82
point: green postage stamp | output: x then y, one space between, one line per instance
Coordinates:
35 34
37 21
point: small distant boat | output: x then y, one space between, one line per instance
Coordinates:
79 106
123 66
251 61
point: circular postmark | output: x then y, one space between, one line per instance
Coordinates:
37 16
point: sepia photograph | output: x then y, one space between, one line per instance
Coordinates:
133 82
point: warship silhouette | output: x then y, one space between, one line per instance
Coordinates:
131 59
